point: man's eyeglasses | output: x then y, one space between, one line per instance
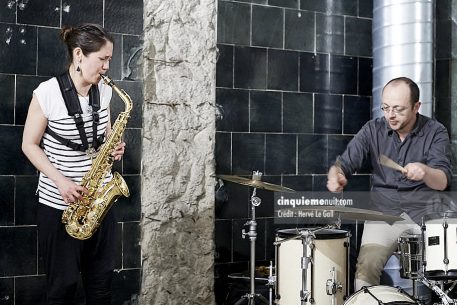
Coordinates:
395 109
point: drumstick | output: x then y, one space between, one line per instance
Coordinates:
386 161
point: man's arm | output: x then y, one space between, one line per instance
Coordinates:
336 180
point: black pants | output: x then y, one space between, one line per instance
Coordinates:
67 259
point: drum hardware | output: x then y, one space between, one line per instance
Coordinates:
256 183
378 295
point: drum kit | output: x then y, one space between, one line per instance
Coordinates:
312 264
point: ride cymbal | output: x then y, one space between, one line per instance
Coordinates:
256 183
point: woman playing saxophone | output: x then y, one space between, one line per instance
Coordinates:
63 166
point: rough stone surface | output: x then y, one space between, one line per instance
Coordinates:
178 152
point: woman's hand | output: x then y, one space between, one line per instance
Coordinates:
69 190
118 151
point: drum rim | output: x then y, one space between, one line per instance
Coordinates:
374 287
439 215
320 235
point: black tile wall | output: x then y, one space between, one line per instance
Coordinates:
19 251
75 12
7 200
330 34
7 102
265 111
233 108
51 48
335 7
281 154
282 70
299 29
267 26
45 13
124 16
328 113
250 68
18 39
233 23
304 70
298 113
224 67
358 36
30 53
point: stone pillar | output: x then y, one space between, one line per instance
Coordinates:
178 152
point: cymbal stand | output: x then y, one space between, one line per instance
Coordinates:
252 234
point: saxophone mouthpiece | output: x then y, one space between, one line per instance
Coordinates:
107 80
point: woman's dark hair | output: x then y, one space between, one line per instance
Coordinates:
89 37
413 88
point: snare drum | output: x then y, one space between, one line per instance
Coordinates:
440 235
327 275
375 295
410 255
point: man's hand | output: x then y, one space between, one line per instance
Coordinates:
336 181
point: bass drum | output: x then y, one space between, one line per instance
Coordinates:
375 295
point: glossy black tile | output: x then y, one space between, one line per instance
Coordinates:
45 13
298 114
233 110
312 154
129 209
7 200
238 201
336 146
8 11
223 240
357 111
117 240
358 37
223 153
132 157
299 29
126 287
320 181
314 72
443 34
250 68
366 9
76 12
115 65
30 290
224 67
7 102
267 26
248 153
282 70
124 16
298 183
25 200
284 3
328 113
234 23
132 54
7 290
52 52
24 92
131 245
135 91
330 34
443 78
265 111
255 1
19 251
281 154
335 7
443 112
343 74
12 160
365 81
18 39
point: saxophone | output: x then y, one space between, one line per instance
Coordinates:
83 217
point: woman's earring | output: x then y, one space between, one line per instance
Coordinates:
78 69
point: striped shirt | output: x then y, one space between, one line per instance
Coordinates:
72 164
